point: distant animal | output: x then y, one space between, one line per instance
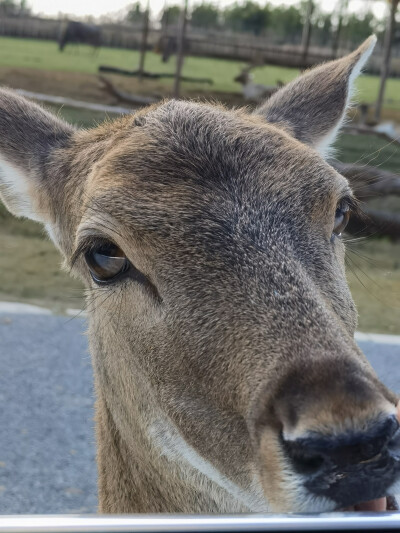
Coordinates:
254 91
168 46
78 32
221 325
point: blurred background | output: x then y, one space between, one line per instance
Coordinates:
92 60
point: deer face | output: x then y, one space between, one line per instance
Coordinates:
220 317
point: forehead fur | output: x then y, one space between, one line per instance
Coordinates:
181 153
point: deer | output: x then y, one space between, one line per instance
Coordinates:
254 91
79 32
221 326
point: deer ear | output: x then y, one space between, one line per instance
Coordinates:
29 136
313 107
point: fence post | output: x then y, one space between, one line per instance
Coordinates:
143 46
305 38
180 51
343 6
387 48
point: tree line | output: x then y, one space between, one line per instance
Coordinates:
14 8
282 24
279 23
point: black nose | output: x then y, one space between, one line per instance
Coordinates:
351 467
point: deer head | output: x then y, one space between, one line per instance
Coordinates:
245 75
220 321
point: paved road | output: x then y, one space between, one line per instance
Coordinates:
47 457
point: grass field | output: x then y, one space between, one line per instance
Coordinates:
368 150
29 53
45 55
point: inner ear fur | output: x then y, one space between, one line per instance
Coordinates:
29 137
313 107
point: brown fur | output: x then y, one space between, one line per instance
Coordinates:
245 326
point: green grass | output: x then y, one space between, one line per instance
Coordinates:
38 275
368 150
30 266
80 117
40 54
373 272
368 87
45 55
374 264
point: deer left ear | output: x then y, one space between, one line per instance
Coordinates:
29 136
313 107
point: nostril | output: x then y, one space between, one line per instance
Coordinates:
369 450
303 459
315 453
307 464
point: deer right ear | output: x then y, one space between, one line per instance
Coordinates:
29 135
313 107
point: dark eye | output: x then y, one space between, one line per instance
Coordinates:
342 216
106 262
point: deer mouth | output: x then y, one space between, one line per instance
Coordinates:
388 503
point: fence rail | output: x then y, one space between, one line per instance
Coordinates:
224 45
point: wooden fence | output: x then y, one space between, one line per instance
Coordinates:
114 35
218 44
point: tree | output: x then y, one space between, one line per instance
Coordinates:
247 17
322 28
23 8
357 28
12 8
170 15
286 22
135 14
308 7
387 49
180 53
205 15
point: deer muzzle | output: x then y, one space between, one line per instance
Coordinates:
328 438
351 467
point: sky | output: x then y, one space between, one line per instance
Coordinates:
101 7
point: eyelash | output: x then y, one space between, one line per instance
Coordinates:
348 206
128 271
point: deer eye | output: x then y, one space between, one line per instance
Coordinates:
342 216
106 262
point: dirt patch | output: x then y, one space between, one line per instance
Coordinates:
87 87
74 85
31 272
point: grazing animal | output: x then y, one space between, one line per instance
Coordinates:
78 32
221 326
168 46
254 91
